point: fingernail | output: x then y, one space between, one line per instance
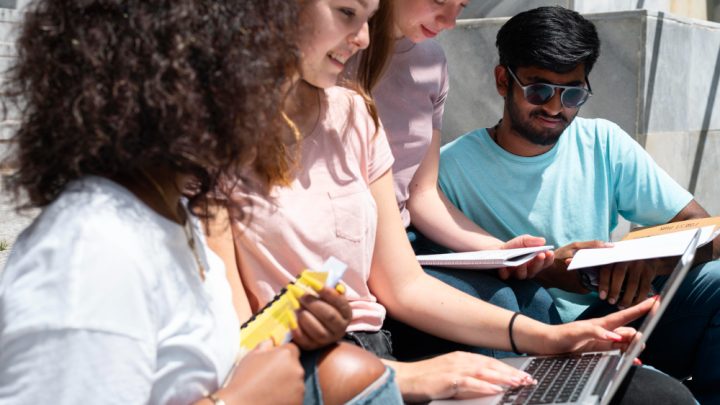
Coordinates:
621 307
497 389
639 362
517 380
613 336
612 301
340 288
603 294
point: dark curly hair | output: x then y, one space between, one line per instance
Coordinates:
107 87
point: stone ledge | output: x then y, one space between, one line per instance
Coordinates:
10 15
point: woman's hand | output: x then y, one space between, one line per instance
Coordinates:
258 375
322 320
606 333
534 266
456 375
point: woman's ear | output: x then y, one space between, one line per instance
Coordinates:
501 80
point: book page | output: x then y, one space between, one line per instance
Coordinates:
665 245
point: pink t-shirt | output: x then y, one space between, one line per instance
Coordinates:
328 210
411 98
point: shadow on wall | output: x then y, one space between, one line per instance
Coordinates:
504 8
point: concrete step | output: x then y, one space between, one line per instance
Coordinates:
9 24
700 9
8 4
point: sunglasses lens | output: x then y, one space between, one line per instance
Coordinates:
573 98
539 94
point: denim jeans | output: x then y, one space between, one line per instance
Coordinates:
378 343
686 341
526 297
381 392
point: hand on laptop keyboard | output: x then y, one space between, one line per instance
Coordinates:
458 375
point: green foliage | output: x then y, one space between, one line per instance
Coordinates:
4 245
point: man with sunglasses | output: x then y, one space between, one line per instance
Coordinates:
544 171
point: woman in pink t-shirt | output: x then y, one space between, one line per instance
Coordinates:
409 83
339 200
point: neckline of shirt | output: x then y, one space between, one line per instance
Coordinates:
484 136
404 45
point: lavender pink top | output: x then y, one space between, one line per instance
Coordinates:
411 99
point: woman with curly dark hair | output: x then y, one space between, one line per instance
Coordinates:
130 109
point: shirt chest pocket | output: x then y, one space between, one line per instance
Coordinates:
354 212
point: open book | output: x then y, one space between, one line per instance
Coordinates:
648 247
483 259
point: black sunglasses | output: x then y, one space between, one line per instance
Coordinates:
541 93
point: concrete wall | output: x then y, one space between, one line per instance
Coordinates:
657 77
8 27
507 8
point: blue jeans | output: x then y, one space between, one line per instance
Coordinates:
686 342
383 391
526 297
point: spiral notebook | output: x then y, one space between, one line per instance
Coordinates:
483 259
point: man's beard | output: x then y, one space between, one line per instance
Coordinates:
523 127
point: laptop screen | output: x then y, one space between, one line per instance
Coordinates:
662 300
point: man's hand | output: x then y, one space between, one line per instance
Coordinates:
567 252
531 268
629 283
557 276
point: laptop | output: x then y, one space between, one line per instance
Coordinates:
587 378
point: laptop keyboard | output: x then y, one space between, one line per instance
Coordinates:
560 379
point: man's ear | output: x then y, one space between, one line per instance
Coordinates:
501 80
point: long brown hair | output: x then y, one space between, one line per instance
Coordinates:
375 58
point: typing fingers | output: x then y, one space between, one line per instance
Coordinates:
469 387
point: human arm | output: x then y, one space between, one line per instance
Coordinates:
219 234
397 280
694 211
256 378
435 216
627 283
439 219
426 303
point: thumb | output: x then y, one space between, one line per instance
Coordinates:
265 345
524 241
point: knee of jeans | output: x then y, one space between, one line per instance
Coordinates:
702 286
345 371
505 298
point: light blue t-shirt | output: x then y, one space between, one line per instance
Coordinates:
574 192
